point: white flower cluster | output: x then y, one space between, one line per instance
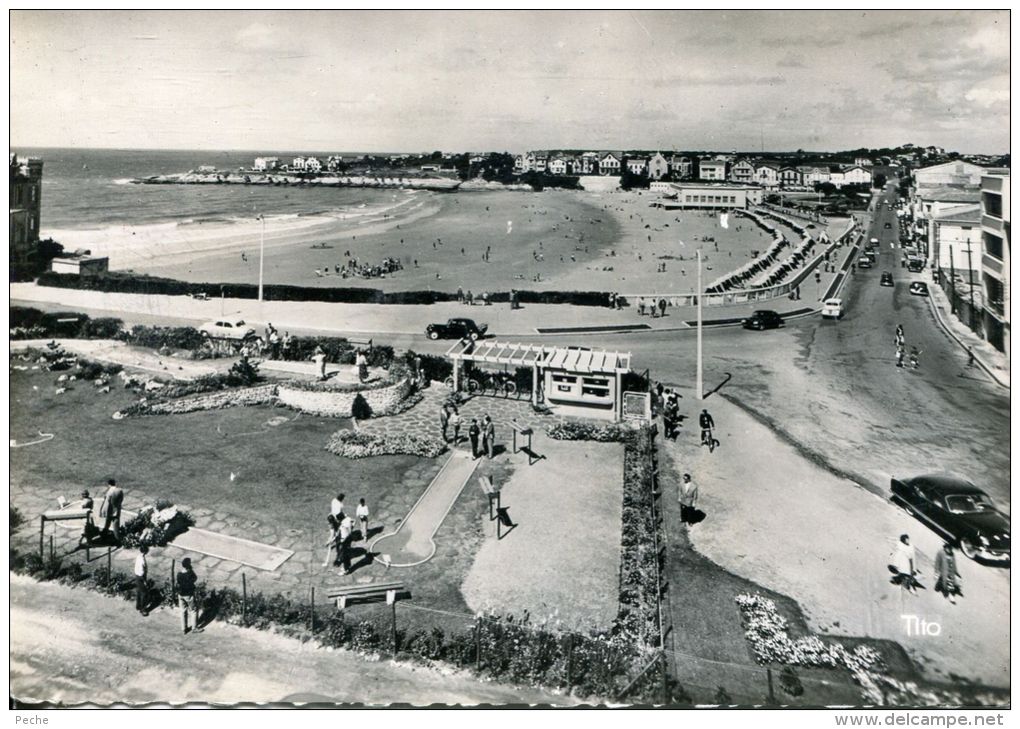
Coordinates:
766 631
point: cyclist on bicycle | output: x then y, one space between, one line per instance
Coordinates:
706 422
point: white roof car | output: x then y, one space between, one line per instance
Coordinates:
832 309
227 329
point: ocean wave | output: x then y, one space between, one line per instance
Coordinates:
124 181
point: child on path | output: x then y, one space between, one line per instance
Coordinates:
362 514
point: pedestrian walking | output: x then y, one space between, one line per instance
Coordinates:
947 576
274 344
287 346
488 436
333 542
899 355
186 600
455 422
110 508
319 357
904 566
970 357
474 432
336 506
362 513
444 421
662 307
688 499
142 581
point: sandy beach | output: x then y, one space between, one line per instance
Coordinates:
478 241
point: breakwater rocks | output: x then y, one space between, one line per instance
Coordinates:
436 184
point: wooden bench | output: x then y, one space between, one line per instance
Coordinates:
389 592
524 431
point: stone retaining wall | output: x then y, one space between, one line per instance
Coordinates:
258 395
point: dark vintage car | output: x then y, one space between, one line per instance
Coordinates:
886 279
864 262
919 288
456 329
958 511
762 319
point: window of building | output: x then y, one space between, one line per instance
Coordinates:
992 244
992 204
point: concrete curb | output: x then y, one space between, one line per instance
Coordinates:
952 335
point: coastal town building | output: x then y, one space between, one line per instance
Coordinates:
266 164
812 175
609 164
863 162
790 177
742 172
958 173
956 238
558 166
26 200
711 169
80 263
686 195
306 164
995 259
842 175
658 167
637 165
766 175
681 167
334 163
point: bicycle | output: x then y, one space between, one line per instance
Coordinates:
470 384
500 382
708 439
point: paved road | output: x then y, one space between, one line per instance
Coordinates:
74 646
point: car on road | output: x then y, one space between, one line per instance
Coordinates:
919 288
832 309
762 319
234 329
864 262
915 265
457 328
886 279
888 226
958 511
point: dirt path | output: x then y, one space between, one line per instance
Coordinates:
73 646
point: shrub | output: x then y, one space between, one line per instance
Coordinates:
242 373
359 444
604 433
789 682
106 327
169 337
16 519
722 697
433 367
360 409
152 527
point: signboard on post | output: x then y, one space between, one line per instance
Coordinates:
637 406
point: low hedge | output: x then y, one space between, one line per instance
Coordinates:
29 323
360 444
159 337
133 283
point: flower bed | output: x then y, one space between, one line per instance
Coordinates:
384 399
155 526
359 444
603 433
766 631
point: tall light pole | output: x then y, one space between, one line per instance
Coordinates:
970 278
262 252
699 385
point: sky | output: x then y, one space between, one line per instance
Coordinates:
510 80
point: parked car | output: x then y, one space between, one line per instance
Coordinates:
457 328
864 262
886 279
915 265
832 309
234 329
763 319
958 511
888 226
919 288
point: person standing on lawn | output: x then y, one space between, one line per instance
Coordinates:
362 513
346 531
488 436
142 581
110 508
688 499
336 506
361 362
473 433
319 356
186 581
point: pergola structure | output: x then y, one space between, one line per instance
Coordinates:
591 369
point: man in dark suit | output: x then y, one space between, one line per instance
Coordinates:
112 502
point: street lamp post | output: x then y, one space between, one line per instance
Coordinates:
262 252
970 278
700 388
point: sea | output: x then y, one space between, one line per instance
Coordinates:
91 189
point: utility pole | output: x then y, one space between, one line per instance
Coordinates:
952 281
262 252
701 389
970 278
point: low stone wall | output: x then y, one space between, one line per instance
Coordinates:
337 404
258 395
